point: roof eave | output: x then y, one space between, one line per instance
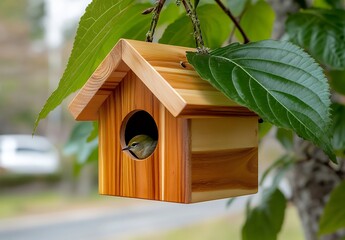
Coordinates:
85 105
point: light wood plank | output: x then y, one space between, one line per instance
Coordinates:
203 97
224 173
177 168
152 80
83 101
210 134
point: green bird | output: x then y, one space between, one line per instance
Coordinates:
142 146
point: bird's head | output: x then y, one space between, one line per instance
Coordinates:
142 146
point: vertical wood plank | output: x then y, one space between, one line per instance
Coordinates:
177 186
107 177
121 175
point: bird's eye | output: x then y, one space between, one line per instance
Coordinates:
135 144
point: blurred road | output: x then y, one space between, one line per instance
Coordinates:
112 223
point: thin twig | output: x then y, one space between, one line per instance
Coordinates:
196 26
155 16
234 20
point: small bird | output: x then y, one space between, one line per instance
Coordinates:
141 146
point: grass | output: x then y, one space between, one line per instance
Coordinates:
49 201
18 204
227 228
13 205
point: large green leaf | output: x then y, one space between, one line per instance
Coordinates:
215 27
277 80
333 217
322 33
261 12
264 222
102 25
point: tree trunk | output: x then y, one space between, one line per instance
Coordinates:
312 179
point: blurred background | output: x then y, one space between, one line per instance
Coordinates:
44 191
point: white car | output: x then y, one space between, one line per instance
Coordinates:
26 154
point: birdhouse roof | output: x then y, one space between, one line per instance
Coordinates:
179 88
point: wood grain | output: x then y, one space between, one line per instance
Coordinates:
86 103
224 157
207 144
164 174
224 169
210 134
176 158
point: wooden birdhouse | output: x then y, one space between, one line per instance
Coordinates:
207 145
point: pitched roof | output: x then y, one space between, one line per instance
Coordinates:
158 66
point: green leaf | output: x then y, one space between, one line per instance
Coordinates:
92 157
94 133
264 222
337 81
278 81
339 128
340 4
169 14
196 3
237 6
215 27
84 151
280 166
285 137
262 13
77 143
322 33
321 4
264 128
333 216
102 25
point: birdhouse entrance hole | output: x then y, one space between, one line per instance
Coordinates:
138 122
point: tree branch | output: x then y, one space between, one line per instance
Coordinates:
234 20
191 12
155 16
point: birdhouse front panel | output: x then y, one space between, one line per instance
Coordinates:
161 176
201 145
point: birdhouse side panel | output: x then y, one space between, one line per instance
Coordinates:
224 157
119 173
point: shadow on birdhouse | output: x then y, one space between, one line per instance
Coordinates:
202 146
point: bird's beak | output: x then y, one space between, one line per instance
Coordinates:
126 148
